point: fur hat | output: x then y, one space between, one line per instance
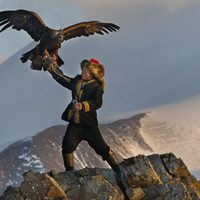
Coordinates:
95 68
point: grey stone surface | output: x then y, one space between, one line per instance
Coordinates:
154 177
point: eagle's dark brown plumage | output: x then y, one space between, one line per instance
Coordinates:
49 40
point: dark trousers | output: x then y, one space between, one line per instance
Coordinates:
76 133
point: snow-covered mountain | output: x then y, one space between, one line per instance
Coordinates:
42 152
175 128
167 129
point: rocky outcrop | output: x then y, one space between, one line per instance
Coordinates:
153 177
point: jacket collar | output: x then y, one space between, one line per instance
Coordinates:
87 82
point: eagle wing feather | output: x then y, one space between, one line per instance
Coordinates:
88 28
23 19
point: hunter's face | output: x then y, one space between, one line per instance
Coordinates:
86 74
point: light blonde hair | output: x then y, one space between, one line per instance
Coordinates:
98 72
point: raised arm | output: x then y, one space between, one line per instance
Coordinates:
58 75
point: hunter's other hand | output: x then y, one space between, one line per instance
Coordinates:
77 106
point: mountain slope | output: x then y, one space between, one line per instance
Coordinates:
167 128
42 152
176 128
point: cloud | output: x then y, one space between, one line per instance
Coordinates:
61 13
175 5
171 5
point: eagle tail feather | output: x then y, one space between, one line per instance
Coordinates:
60 61
25 57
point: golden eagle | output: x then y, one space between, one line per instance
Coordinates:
49 39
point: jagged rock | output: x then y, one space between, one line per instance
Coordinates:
89 184
154 177
36 186
11 194
138 171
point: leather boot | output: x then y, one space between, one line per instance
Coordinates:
68 160
114 163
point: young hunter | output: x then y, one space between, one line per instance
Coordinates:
87 91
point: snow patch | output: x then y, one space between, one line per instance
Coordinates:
31 161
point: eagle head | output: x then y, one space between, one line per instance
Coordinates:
58 36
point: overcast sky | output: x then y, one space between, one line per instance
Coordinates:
131 15
155 35
152 60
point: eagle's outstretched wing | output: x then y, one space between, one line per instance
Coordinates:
23 19
88 28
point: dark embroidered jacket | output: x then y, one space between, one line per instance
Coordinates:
88 93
